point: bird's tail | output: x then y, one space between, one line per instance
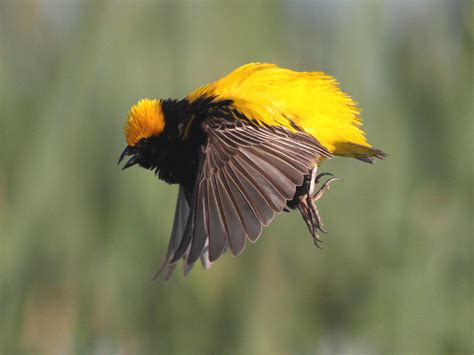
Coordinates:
364 153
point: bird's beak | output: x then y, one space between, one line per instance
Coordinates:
132 161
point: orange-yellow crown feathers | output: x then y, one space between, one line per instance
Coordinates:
145 119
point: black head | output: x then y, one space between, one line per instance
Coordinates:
146 153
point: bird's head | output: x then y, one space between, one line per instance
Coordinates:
143 129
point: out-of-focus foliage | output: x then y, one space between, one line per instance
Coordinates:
80 240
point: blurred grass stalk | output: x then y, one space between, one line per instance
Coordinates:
80 239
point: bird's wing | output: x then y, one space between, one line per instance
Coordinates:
246 174
181 215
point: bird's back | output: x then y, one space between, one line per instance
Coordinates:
311 101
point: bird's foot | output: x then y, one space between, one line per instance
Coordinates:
325 187
309 210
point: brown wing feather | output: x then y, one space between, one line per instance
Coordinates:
246 175
179 224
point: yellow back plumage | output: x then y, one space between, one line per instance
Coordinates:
270 95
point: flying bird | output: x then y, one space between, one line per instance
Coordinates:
241 149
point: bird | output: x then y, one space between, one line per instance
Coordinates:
243 149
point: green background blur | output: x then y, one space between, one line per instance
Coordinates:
81 240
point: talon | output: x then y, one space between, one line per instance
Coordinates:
313 214
319 224
308 208
303 208
316 181
324 188
316 243
321 229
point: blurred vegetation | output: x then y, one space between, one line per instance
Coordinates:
80 240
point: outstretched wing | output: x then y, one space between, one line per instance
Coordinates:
181 215
246 174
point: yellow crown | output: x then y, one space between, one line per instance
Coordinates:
145 119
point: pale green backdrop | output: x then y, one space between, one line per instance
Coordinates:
80 240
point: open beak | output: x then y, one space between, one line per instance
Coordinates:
132 161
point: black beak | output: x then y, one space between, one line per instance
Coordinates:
132 161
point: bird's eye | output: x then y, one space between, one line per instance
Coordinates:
141 143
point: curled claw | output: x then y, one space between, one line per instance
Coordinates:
324 188
316 181
316 242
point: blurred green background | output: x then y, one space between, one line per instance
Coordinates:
80 240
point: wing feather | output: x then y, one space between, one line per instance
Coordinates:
236 234
277 178
217 231
247 213
279 162
273 151
257 178
246 174
180 219
263 210
201 225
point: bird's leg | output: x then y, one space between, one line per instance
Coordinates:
308 209
303 208
307 205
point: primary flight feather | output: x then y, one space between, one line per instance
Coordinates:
243 148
